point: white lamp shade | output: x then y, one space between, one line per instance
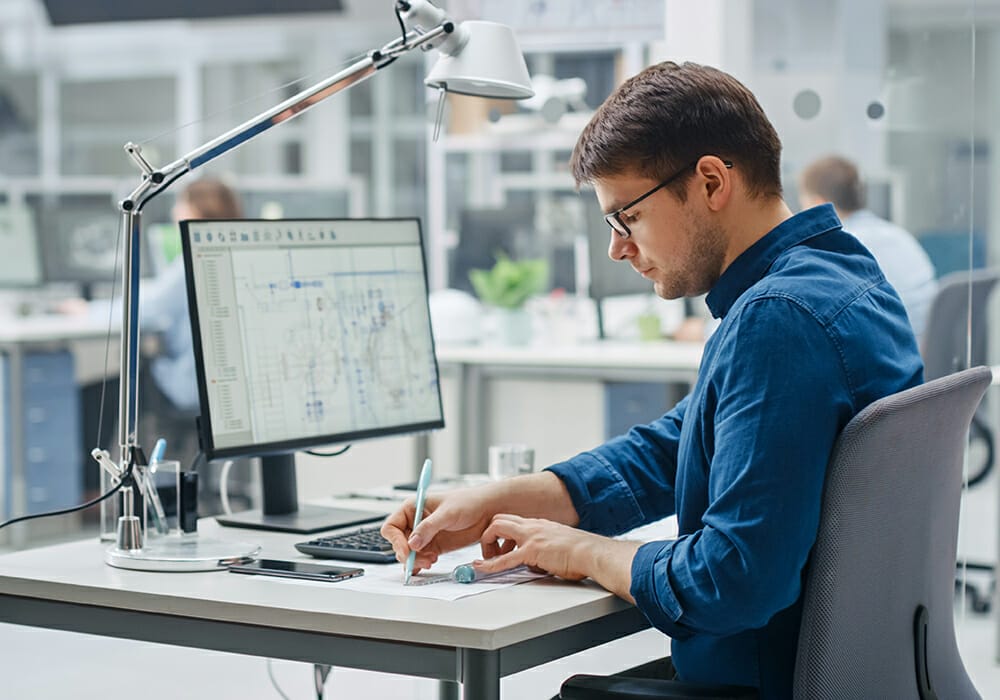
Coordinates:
490 64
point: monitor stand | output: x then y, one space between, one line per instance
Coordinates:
281 511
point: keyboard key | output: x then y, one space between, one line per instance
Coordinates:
366 544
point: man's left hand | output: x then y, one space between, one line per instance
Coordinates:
564 551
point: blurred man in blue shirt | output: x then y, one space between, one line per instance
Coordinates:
687 169
906 265
163 309
163 303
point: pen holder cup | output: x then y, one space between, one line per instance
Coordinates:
157 495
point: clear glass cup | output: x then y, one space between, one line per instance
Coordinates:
162 510
509 459
157 518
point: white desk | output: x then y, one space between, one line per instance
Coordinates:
601 361
473 641
661 360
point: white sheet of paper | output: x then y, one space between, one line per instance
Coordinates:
387 579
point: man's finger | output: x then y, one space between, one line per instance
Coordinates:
503 528
501 563
490 549
424 532
397 538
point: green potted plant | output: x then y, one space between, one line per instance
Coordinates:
506 287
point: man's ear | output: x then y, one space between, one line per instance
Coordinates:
717 182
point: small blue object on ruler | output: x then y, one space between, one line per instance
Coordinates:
464 573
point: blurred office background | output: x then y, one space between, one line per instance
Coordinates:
908 89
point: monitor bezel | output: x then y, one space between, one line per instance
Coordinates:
289 446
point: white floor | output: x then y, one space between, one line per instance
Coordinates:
43 664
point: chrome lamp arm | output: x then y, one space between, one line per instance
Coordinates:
428 27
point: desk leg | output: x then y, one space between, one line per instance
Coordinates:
480 675
472 439
448 690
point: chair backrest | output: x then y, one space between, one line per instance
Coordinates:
945 337
886 548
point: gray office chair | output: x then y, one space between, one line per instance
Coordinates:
877 615
948 348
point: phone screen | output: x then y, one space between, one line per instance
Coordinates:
296 569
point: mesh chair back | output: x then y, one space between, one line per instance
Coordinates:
886 545
946 335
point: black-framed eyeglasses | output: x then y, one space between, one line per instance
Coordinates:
614 219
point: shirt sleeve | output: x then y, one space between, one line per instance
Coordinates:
163 300
628 480
779 401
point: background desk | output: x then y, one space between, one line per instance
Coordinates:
474 641
40 370
506 394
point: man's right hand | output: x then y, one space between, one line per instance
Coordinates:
456 519
451 521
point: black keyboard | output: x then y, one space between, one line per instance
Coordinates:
366 544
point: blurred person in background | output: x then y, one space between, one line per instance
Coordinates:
168 394
906 265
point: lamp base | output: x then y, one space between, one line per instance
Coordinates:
182 554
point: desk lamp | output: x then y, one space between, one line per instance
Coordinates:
477 58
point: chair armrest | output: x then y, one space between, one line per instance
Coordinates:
584 687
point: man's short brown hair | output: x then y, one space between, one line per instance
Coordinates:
670 115
835 180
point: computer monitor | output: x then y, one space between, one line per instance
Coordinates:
308 332
80 237
21 263
608 277
483 235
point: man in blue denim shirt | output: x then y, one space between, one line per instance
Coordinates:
686 164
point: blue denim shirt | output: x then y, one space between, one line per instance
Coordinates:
810 333
163 307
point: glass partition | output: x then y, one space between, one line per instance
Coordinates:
908 92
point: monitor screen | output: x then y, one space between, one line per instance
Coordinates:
309 332
80 238
483 235
608 277
21 263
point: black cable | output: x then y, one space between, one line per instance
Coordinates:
126 477
402 27
979 429
337 453
274 681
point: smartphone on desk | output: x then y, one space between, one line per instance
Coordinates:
297 569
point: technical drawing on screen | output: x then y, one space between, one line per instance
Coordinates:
309 332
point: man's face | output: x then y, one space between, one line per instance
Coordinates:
674 244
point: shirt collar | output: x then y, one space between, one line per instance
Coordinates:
753 263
